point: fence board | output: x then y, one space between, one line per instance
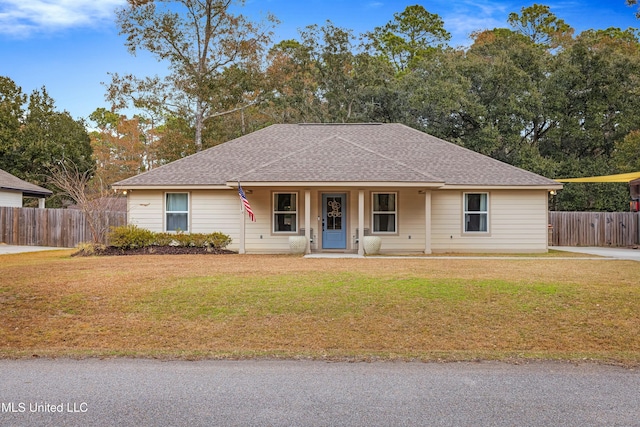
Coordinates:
594 228
52 227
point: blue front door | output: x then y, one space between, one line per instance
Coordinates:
334 227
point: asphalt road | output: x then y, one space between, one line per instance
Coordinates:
123 392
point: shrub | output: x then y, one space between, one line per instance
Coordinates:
88 249
218 240
130 237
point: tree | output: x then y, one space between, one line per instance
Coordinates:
540 25
627 152
89 194
293 83
409 37
48 137
199 40
120 146
332 56
319 78
36 137
633 3
11 101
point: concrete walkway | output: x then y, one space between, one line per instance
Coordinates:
13 249
615 253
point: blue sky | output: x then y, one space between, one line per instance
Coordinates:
69 46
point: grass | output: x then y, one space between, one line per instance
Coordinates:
237 306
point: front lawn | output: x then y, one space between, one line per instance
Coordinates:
206 306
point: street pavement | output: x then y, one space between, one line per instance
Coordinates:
136 392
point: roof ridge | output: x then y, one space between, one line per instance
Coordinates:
398 162
264 165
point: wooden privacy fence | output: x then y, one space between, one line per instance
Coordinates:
594 228
53 227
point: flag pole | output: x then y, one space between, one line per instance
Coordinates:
242 249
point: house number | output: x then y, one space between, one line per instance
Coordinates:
335 209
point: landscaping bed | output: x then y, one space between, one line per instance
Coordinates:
132 240
159 250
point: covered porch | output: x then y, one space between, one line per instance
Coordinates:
335 219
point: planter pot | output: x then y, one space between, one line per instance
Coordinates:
297 244
371 245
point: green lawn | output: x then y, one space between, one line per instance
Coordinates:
209 306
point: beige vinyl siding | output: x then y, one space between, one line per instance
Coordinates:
259 235
517 219
215 211
145 209
11 199
517 223
410 235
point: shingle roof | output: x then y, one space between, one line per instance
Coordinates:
391 153
11 182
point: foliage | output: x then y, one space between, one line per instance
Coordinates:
132 236
533 94
120 146
36 138
200 41
540 25
88 249
410 37
89 194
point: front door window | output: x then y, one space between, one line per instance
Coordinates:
334 233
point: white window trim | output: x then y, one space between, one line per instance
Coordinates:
394 212
465 212
274 212
166 222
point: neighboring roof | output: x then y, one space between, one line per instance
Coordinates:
335 153
13 183
111 204
622 177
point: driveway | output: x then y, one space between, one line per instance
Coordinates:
616 253
123 392
13 249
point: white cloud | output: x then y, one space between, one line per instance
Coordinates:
22 18
464 17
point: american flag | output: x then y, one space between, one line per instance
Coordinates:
245 203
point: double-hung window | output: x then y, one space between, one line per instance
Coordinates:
385 213
285 212
476 212
177 212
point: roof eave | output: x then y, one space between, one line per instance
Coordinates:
502 187
324 184
29 193
128 187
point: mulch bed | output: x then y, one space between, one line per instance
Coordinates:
157 250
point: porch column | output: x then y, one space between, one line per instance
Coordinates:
242 215
307 220
427 221
361 223
41 203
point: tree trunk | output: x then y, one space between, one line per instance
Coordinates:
199 126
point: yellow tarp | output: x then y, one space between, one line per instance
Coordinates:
623 177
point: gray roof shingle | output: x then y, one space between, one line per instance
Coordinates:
391 153
11 182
